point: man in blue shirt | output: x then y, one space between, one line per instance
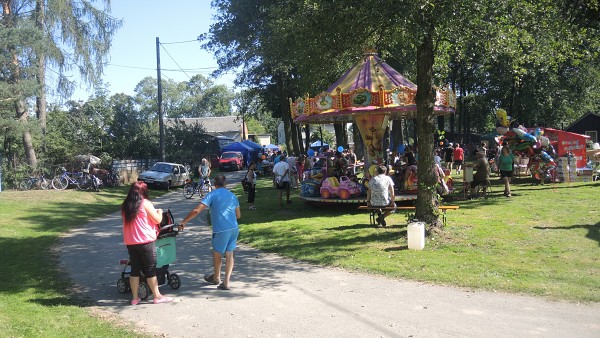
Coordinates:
224 212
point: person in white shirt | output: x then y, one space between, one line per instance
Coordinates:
281 178
381 193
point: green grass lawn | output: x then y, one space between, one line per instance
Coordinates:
35 300
543 241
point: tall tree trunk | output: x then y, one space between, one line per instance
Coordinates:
358 143
341 135
426 204
19 104
40 100
307 136
286 116
396 137
300 143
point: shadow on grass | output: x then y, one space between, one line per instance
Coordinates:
593 230
396 248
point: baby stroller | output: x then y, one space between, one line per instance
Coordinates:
165 255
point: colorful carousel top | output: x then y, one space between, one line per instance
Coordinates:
372 87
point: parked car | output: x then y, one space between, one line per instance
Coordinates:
165 175
231 160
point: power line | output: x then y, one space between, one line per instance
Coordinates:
169 70
172 43
169 54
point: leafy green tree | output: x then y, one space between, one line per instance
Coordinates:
132 134
188 143
65 34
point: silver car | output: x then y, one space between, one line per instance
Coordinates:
165 175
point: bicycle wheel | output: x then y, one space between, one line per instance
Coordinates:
206 187
60 183
83 182
188 190
25 185
44 183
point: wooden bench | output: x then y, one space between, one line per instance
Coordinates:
373 211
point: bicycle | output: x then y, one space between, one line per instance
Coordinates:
112 179
88 181
62 181
32 181
203 185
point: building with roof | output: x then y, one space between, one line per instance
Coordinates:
588 124
220 126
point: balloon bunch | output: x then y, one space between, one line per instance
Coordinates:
522 142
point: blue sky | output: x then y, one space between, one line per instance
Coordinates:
134 44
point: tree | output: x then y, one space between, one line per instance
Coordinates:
62 33
132 133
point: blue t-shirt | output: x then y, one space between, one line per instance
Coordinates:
222 204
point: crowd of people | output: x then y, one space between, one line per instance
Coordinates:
141 219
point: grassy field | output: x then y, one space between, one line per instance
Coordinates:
544 241
35 300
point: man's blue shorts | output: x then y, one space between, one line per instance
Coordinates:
225 240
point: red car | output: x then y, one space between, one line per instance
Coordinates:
231 160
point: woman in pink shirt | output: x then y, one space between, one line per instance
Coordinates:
140 228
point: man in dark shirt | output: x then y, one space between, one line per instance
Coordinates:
482 173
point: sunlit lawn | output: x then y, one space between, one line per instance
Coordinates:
545 240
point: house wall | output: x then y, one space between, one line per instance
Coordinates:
587 124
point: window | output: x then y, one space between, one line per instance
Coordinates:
593 134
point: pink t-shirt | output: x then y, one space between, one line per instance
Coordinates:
141 230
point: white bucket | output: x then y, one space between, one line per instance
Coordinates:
416 235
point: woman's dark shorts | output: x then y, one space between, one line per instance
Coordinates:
142 257
506 173
284 185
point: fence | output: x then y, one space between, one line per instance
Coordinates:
129 170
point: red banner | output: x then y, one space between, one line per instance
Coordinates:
565 142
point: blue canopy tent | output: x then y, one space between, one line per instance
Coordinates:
272 147
317 145
252 145
248 152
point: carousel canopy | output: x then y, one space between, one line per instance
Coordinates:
370 87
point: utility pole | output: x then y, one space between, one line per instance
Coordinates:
161 125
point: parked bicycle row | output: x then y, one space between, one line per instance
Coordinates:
87 177
79 179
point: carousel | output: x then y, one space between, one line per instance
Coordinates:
370 94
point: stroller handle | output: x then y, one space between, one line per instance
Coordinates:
168 226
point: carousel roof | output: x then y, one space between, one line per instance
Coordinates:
370 87
370 73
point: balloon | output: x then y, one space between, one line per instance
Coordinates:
545 141
311 152
502 117
401 149
545 156
523 146
537 145
340 149
502 130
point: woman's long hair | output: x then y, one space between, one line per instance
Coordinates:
131 204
